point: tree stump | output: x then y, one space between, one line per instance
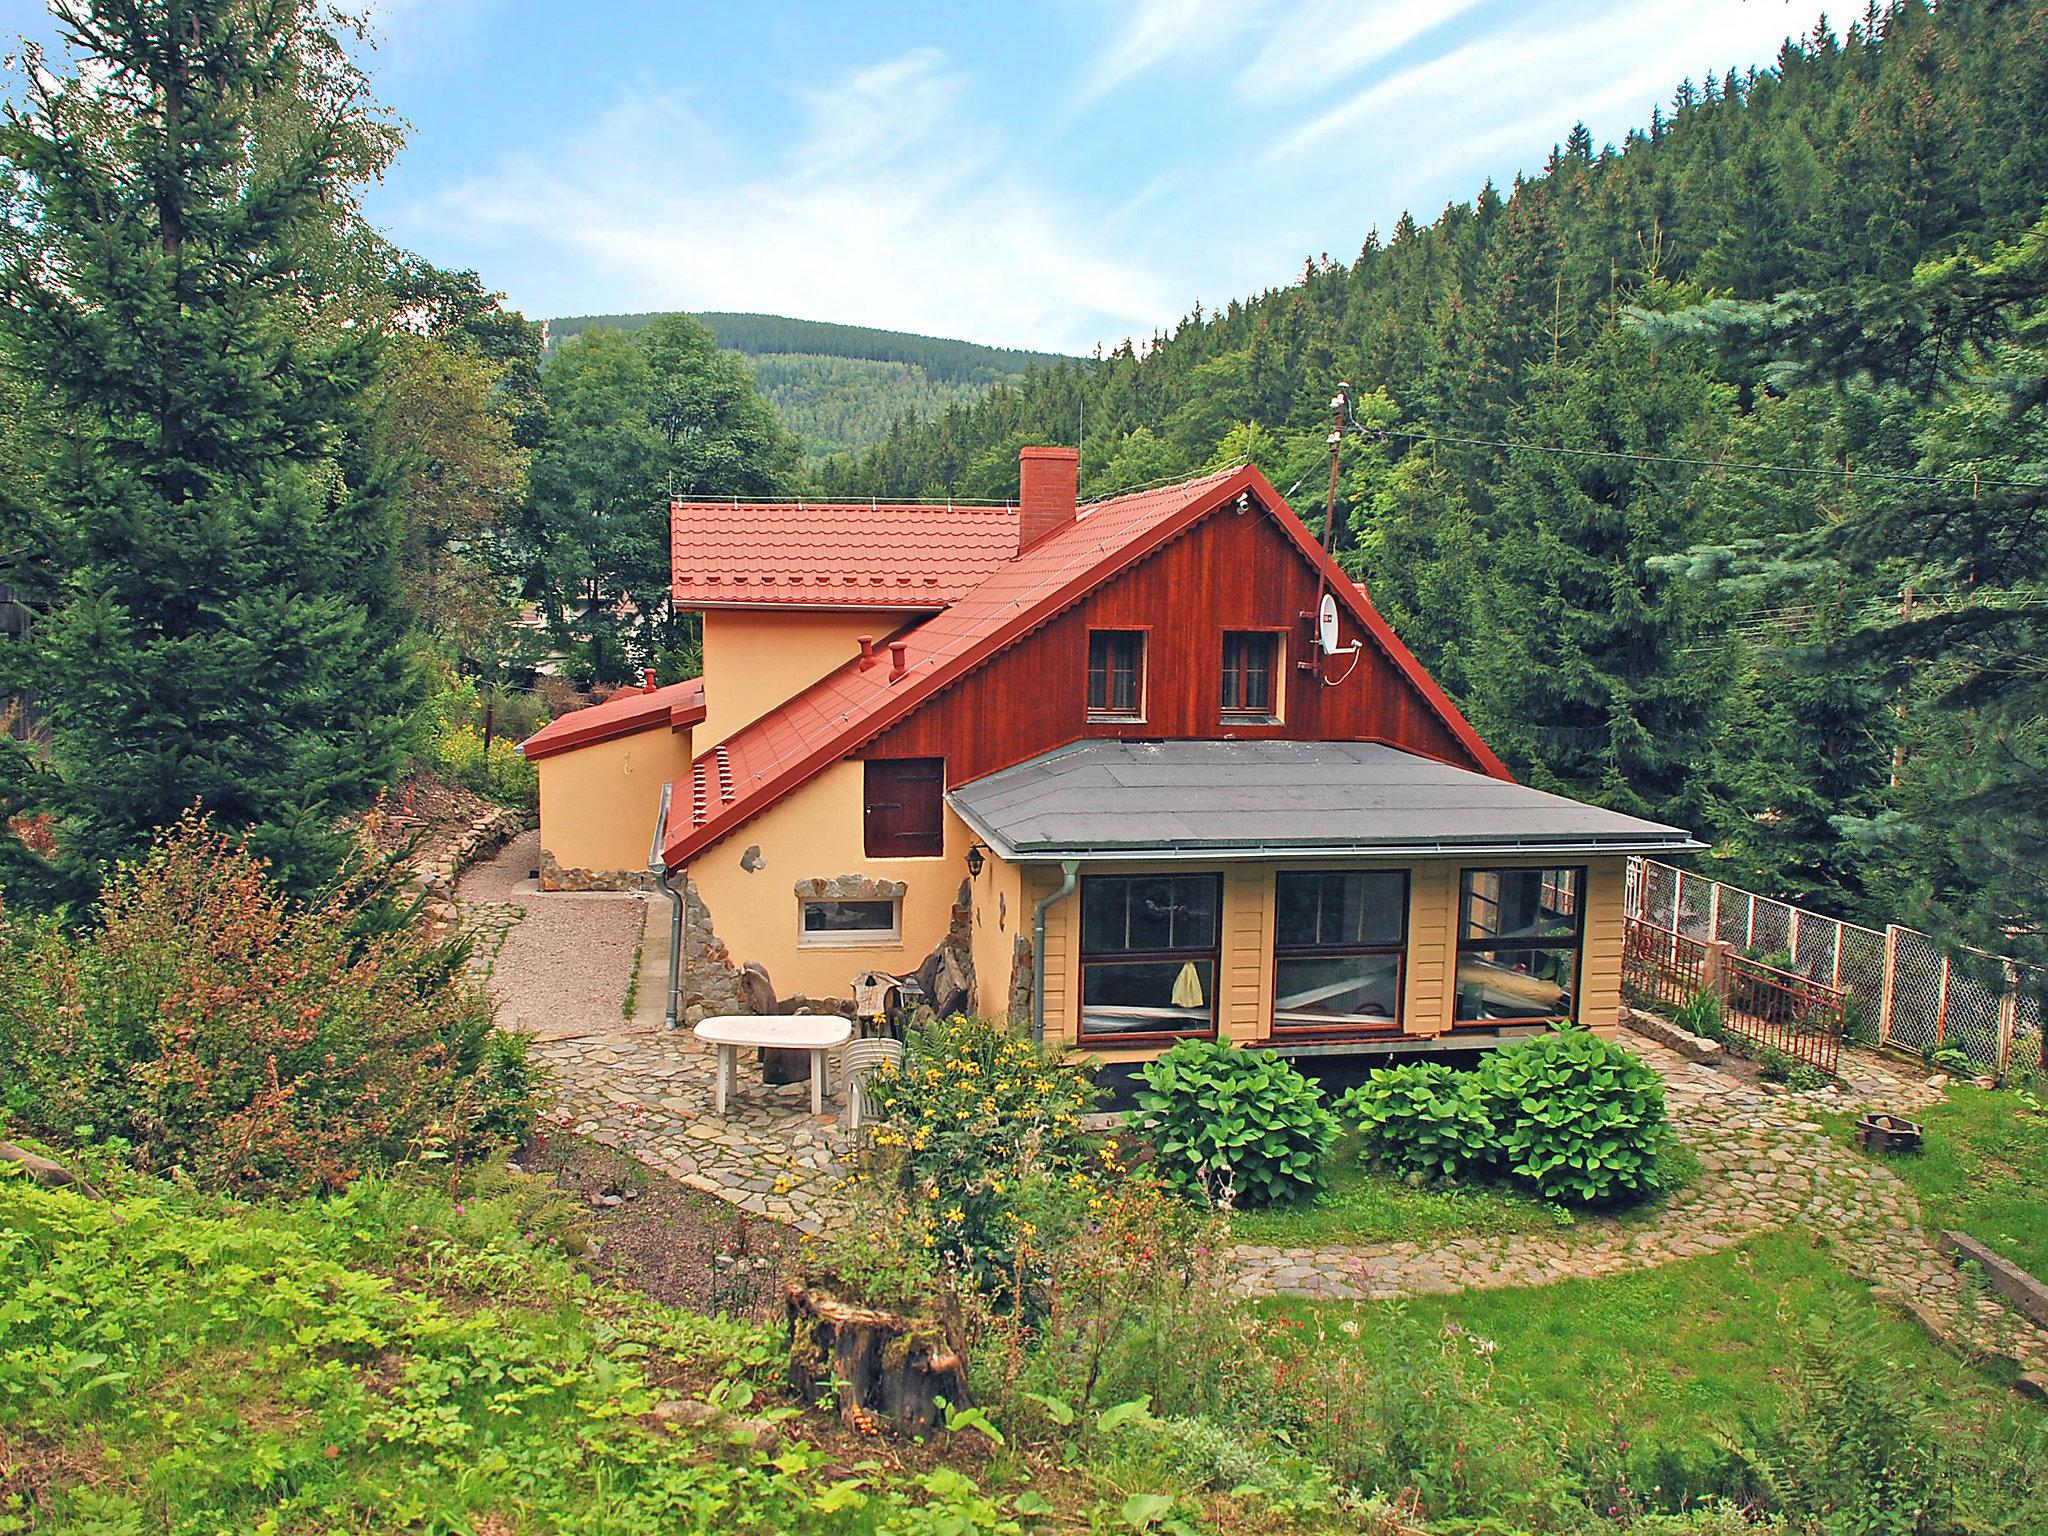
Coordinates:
881 1365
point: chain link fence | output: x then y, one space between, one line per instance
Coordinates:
1905 991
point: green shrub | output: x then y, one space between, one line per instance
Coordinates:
979 1126
1949 1059
1702 1016
1231 1124
1773 1065
1805 1079
1579 1117
449 738
262 1046
1422 1118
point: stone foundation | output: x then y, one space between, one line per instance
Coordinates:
553 877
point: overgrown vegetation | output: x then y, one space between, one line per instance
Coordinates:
205 1023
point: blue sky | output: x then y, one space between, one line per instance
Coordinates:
1032 174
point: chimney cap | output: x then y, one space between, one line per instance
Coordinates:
647 680
1049 451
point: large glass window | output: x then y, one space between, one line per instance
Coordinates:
1116 674
1148 955
1520 932
1338 942
1249 663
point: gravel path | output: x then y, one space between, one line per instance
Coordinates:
559 964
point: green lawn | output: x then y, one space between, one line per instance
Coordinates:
1360 1206
1982 1170
1669 1357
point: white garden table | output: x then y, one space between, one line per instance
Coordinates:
816 1033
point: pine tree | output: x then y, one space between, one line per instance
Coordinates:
222 628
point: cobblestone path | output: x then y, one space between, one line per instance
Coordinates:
562 967
1765 1162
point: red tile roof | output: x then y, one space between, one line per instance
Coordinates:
833 555
627 711
755 767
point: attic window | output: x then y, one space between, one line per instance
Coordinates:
1116 674
1250 660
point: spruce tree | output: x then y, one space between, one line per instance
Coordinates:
221 626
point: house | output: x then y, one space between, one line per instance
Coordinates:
1133 771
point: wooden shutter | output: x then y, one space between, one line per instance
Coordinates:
905 815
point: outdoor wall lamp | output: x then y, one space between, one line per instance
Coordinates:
975 859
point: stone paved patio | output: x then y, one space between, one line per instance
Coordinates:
630 1083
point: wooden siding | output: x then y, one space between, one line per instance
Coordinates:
1232 571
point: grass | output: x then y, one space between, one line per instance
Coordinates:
1982 1169
1358 1205
1671 1358
398 1359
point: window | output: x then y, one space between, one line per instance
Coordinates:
1148 955
905 814
1338 943
1519 936
1250 661
1116 674
849 923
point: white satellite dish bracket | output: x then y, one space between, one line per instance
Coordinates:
1326 629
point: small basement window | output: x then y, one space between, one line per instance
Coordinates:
1250 664
1116 674
850 924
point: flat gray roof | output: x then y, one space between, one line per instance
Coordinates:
1278 800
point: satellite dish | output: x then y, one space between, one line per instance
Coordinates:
1326 624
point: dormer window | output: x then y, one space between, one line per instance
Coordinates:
1250 664
1116 674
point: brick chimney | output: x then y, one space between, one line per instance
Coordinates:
1048 480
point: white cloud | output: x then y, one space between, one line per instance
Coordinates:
1156 32
1521 86
1326 41
888 207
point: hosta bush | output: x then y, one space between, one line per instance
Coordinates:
1576 1116
1242 1125
261 1045
1421 1119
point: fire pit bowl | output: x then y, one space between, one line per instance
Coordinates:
1883 1133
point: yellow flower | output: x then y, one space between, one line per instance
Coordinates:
956 1215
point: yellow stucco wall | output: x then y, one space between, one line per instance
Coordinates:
816 834
753 661
1245 986
1001 913
598 802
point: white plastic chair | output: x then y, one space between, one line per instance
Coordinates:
858 1061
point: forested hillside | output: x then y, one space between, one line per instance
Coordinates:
1823 267
840 387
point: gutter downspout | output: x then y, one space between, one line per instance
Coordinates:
658 866
1069 869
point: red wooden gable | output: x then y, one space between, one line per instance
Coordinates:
1232 571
